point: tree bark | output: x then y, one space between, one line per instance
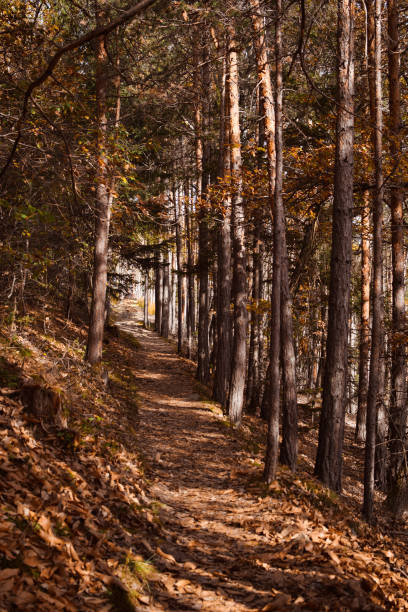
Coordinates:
223 355
272 441
116 83
364 349
238 367
377 336
181 293
331 430
289 445
158 294
172 292
267 108
190 278
381 450
146 301
264 77
103 211
202 159
398 477
164 331
254 343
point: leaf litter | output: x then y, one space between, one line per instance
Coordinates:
163 507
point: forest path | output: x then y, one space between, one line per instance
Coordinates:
221 540
207 517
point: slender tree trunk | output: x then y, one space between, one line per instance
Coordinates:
322 341
116 84
269 114
223 358
266 397
377 336
238 367
190 279
181 294
202 160
213 310
381 450
331 431
314 348
264 76
398 476
253 377
112 180
289 445
146 301
173 292
254 343
164 331
158 294
364 348
103 212
271 458
223 355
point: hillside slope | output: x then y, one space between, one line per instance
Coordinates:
138 495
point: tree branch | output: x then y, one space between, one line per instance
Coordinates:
126 17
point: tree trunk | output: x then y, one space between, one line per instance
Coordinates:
146 301
377 336
264 76
103 212
164 331
172 298
289 445
398 477
269 126
223 355
364 349
223 358
116 84
158 294
190 279
381 450
266 135
331 431
254 343
202 159
238 367
322 341
181 293
272 441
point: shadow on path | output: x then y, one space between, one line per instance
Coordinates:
214 552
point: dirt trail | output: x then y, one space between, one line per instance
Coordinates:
192 465
223 542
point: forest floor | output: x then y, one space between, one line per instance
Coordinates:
148 500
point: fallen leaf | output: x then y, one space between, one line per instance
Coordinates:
279 603
8 573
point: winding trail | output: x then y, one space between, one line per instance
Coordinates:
193 466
